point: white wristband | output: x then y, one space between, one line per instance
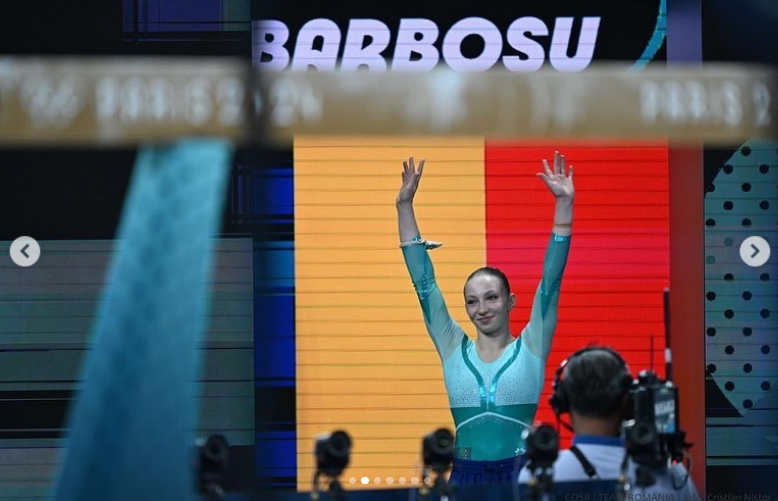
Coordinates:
429 244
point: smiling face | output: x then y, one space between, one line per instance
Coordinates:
488 304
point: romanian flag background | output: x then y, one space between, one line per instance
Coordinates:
365 363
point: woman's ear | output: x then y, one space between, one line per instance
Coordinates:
512 301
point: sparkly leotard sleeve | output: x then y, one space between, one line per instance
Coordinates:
444 331
491 402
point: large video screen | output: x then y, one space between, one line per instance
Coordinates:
417 36
363 361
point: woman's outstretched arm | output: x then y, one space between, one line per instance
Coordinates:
446 334
539 332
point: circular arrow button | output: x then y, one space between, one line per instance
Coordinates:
25 251
754 251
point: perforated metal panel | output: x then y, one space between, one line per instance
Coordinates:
741 312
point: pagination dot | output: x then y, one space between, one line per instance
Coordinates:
352 480
377 480
402 480
365 480
389 480
415 480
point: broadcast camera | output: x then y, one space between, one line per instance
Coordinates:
438 456
542 443
438 450
653 434
332 453
211 465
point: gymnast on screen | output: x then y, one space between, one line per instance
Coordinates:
494 382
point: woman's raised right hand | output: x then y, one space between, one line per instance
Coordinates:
411 177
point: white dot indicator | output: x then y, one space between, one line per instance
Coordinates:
389 480
415 480
352 480
377 480
402 480
427 480
365 480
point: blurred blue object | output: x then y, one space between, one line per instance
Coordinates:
131 428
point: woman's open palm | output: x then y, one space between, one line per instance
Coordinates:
558 181
411 177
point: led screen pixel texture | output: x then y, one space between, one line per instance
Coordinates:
364 361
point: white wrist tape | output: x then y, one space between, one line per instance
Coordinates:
429 244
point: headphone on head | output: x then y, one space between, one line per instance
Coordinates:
560 392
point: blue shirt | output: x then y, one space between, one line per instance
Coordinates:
606 454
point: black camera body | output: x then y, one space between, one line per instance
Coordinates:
332 453
438 450
212 461
542 444
653 434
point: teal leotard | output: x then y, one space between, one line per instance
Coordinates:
491 402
